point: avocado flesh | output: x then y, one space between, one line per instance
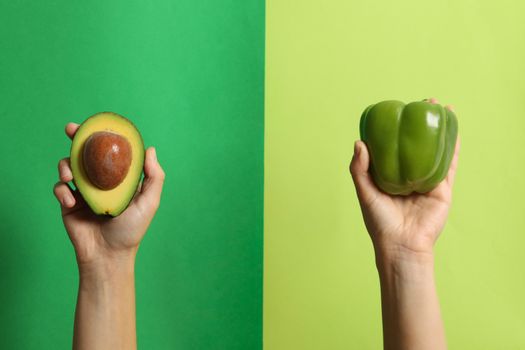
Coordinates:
115 201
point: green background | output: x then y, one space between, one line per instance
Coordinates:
325 62
190 75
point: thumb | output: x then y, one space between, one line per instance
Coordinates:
148 200
365 187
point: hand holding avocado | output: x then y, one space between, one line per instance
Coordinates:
96 237
107 157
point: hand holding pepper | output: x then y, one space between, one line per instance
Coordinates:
403 230
401 223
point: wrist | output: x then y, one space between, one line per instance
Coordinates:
403 263
107 269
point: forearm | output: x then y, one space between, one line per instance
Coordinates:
410 306
105 314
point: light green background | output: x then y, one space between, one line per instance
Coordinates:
190 75
325 62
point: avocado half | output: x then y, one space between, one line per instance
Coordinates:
115 200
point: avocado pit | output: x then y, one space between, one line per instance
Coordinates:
107 159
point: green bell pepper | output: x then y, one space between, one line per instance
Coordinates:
411 146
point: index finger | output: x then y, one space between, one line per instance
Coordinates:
71 129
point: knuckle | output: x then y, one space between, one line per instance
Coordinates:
159 178
161 174
155 204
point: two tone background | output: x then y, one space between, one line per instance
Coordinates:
254 107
